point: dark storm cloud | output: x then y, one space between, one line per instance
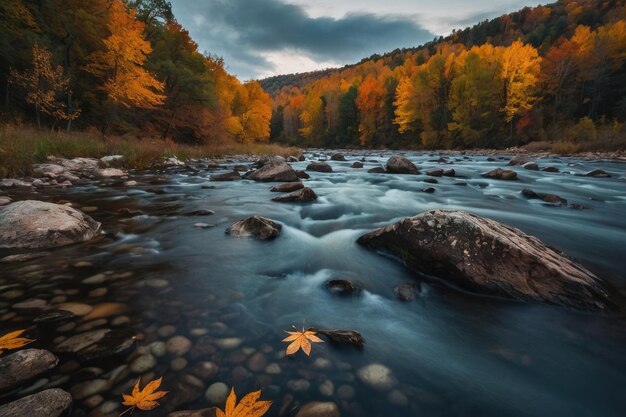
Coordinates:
243 30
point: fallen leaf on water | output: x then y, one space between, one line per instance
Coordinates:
13 341
301 340
144 399
249 406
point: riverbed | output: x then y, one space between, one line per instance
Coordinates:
156 274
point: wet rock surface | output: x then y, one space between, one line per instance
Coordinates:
303 195
19 367
400 165
255 226
273 169
500 174
486 256
49 403
319 167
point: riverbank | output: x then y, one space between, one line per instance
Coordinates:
21 148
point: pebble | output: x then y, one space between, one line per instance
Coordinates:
377 376
143 364
98 292
257 362
298 385
158 349
178 346
198 332
79 309
82 340
157 283
206 370
105 310
89 388
95 279
345 392
166 331
322 363
273 369
178 364
319 409
228 343
217 393
34 304
93 401
327 388
397 398
120 321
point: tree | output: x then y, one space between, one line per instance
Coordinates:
370 103
120 65
45 86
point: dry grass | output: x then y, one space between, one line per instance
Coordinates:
20 148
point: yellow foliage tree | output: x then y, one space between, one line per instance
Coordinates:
521 66
370 103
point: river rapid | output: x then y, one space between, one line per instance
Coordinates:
450 353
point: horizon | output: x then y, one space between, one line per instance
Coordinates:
261 39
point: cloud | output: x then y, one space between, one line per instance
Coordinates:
258 37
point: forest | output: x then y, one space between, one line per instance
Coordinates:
552 73
123 68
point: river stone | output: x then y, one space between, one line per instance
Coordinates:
303 195
216 393
34 224
519 160
257 362
273 169
337 157
319 167
89 388
105 310
81 341
228 343
531 166
79 309
500 174
256 226
229 176
407 291
287 187
110 173
486 256
435 172
5 201
143 363
49 403
598 173
357 164
24 365
178 346
377 376
205 412
319 409
400 165
397 398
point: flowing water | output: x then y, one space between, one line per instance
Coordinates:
451 353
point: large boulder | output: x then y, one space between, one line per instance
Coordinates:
49 403
24 365
35 224
273 169
256 226
488 257
400 165
319 167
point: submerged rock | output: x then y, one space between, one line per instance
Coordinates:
531 166
500 174
303 195
287 187
343 287
377 376
256 226
49 403
229 176
408 291
489 257
24 365
319 167
598 173
35 224
400 165
273 169
319 409
376 170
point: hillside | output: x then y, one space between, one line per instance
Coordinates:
548 72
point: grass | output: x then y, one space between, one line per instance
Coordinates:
21 147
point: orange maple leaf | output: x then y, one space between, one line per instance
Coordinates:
13 341
249 406
301 340
144 399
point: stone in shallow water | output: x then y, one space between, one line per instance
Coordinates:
49 403
287 187
24 365
319 167
217 393
105 310
178 345
78 309
256 227
143 364
319 409
400 165
377 376
81 341
500 174
303 195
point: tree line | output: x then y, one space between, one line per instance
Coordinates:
123 67
545 73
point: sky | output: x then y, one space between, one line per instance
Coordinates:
261 38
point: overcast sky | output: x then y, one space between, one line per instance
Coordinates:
259 38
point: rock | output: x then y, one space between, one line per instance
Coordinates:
550 169
32 304
303 195
376 170
430 181
216 393
273 369
256 227
531 166
110 173
598 173
449 172
113 343
34 224
344 337
302 175
178 364
287 187
13 183
437 172
337 157
327 388
298 385
345 392
377 376
408 291
519 160
554 199
54 317
257 362
228 343
500 174
401 165
143 363
343 287
529 193
78 309
292 159
205 370
49 403
173 161
319 167
22 366
4 201
357 165
397 398
178 346
428 190
229 176
486 256
273 169
89 388
200 212
112 158
203 225
319 409
81 341
301 158
205 412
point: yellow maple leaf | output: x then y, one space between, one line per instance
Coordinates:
144 399
301 340
249 406
13 341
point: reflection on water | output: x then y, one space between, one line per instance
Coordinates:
155 275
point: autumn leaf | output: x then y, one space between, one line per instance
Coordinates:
249 406
144 399
13 341
301 340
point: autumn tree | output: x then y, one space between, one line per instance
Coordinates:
46 87
251 113
370 103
